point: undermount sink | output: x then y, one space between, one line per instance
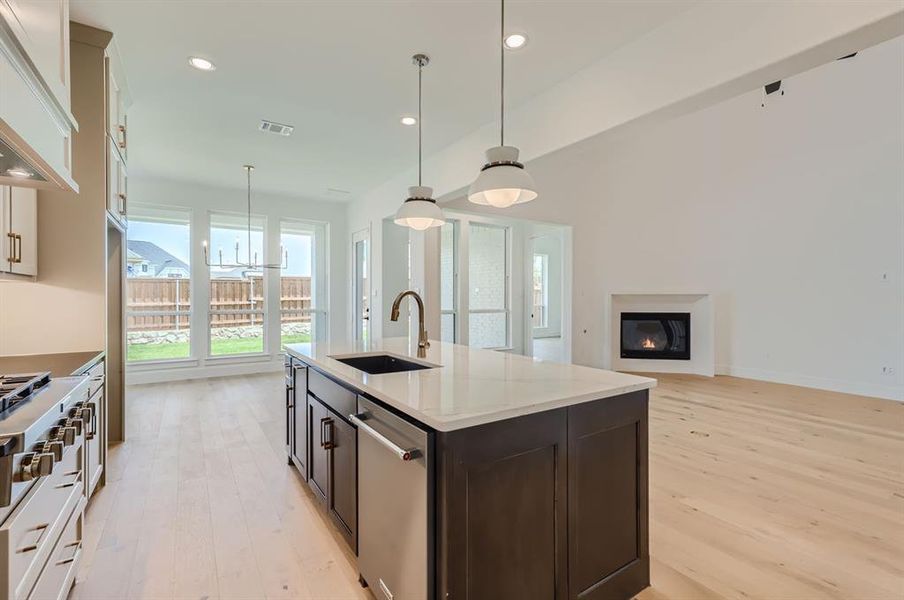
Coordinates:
378 364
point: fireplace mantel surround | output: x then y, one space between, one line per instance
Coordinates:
699 305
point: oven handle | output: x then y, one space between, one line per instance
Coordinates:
403 453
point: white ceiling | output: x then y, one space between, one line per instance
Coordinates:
340 72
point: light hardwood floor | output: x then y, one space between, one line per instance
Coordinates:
757 490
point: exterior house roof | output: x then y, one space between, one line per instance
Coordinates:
156 256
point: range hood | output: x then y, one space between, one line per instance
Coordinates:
13 167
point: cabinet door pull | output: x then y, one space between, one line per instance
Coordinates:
77 544
40 530
329 445
18 248
322 434
11 247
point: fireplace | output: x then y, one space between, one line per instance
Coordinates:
656 335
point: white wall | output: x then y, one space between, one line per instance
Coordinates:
791 215
201 200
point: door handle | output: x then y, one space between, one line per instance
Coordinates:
322 434
18 248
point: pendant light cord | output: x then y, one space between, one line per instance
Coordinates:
502 75
420 71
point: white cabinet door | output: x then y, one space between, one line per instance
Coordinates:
23 223
42 28
7 238
116 117
116 184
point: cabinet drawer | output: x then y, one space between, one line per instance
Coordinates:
331 393
28 535
58 575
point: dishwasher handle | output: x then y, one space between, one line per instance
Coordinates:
403 453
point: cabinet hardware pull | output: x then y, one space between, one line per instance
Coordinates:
42 528
18 248
78 477
90 435
322 435
11 247
75 553
329 445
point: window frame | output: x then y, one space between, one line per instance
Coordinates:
454 311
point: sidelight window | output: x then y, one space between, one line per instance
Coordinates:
540 291
488 286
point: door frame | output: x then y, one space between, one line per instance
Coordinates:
362 235
564 234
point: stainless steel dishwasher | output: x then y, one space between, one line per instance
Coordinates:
395 504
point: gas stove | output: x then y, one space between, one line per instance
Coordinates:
18 388
40 417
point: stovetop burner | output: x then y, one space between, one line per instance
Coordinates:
18 387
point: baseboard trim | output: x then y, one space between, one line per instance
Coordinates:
175 373
887 392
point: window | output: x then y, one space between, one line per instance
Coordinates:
488 302
540 305
299 285
448 276
158 290
237 299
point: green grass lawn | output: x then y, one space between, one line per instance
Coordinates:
138 352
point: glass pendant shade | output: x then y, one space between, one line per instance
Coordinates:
502 181
420 211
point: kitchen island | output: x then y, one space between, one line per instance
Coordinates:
532 475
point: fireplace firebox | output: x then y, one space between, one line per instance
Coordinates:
656 335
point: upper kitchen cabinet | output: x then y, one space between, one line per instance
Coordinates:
117 136
36 122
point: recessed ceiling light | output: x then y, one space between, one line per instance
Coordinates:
18 172
515 41
202 64
408 121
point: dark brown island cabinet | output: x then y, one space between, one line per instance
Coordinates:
551 505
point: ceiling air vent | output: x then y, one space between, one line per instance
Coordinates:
277 128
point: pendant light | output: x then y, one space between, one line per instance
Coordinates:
251 264
419 211
502 181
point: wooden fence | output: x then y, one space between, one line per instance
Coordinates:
164 298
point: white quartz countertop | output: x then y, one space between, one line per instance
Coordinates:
470 386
